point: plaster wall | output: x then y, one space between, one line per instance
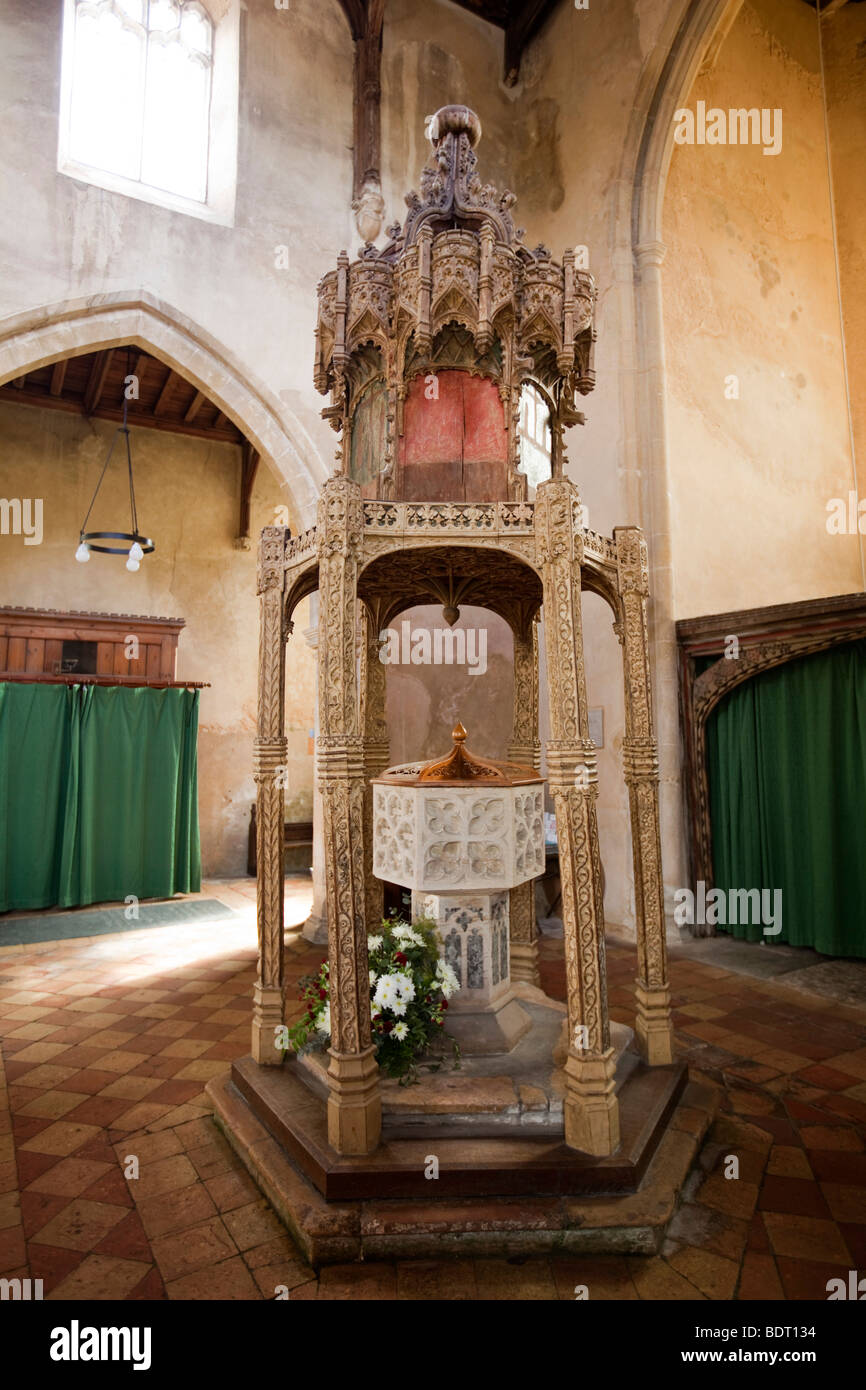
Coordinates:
557 140
187 499
750 291
67 239
844 45
424 702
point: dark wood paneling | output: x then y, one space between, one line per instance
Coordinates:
53 655
17 654
105 659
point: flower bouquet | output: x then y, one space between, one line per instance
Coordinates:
409 991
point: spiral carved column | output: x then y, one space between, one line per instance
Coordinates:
376 749
354 1102
525 748
653 1028
269 757
591 1110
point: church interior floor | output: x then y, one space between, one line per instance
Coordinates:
108 1043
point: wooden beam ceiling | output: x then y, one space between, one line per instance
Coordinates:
99 370
520 21
58 372
165 395
95 385
524 22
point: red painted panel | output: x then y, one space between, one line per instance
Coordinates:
484 442
454 443
483 421
433 428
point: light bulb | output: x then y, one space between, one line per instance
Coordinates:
82 554
136 552
132 565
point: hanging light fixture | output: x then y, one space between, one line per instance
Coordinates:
137 545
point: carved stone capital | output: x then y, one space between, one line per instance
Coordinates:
557 538
650 254
340 521
572 765
272 558
640 760
269 756
632 560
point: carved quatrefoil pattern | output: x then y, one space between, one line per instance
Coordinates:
475 848
394 834
528 834
457 839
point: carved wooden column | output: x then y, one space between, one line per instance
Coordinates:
525 748
269 757
316 926
653 1029
354 1103
376 749
591 1110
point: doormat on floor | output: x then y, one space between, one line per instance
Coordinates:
63 926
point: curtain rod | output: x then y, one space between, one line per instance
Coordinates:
35 678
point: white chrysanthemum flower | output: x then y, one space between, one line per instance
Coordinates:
374 943
447 979
404 987
323 1022
372 978
385 991
404 933
399 1007
399 1031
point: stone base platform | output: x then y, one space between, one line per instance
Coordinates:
492 1196
488 1095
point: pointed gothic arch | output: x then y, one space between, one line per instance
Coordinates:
688 40
66 329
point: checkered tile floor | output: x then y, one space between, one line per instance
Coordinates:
107 1044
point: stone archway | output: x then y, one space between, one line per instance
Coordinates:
690 38
65 329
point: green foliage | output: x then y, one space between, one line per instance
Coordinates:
409 989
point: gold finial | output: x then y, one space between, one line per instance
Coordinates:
460 765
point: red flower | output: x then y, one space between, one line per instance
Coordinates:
322 994
400 958
444 1004
387 1026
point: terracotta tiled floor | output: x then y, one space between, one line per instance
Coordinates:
108 1042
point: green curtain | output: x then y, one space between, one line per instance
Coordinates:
98 794
786 759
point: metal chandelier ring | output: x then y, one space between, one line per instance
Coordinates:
88 537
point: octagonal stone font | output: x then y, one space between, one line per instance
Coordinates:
458 823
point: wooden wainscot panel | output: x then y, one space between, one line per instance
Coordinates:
32 641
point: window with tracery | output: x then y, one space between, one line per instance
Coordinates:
534 434
139 91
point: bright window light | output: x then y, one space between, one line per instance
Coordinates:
534 432
141 91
